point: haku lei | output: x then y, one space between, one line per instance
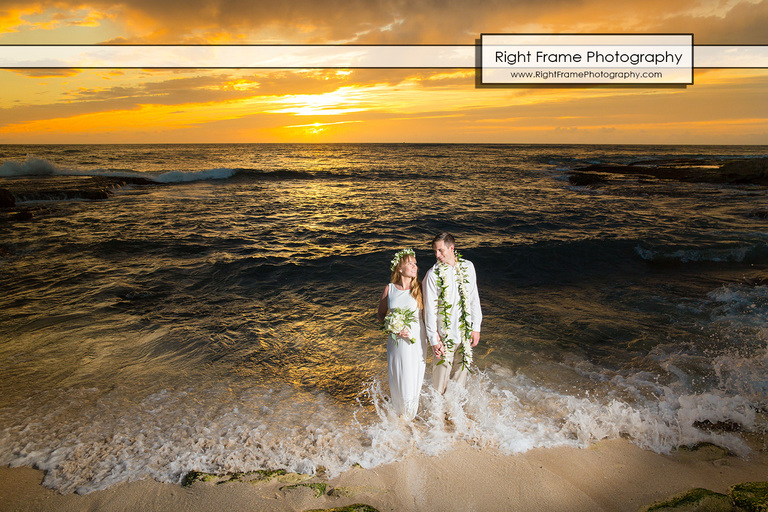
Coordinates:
399 255
444 312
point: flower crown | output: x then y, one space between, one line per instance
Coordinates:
400 255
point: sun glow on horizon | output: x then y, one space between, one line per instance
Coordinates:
375 105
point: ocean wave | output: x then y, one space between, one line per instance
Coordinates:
30 167
88 440
230 174
551 260
739 316
33 166
714 254
188 176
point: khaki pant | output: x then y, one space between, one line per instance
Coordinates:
442 373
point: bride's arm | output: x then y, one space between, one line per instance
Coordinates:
382 312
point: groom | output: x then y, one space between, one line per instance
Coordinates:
451 312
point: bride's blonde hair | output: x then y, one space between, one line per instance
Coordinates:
415 283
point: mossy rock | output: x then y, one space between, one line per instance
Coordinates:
197 476
357 507
258 476
233 477
695 500
751 496
252 477
702 451
342 492
290 478
348 492
318 487
269 473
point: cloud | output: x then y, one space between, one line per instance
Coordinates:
743 23
371 104
356 107
398 21
46 73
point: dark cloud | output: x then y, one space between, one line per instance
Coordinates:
745 23
413 22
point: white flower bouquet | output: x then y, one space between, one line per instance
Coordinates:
399 319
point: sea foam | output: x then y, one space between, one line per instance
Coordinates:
30 167
88 440
33 166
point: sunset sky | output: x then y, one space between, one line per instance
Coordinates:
724 106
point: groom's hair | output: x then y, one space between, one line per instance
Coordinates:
444 237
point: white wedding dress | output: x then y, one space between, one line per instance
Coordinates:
406 361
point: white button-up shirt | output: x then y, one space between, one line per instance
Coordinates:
431 294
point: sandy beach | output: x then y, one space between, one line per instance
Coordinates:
609 476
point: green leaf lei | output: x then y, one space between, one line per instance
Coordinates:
444 312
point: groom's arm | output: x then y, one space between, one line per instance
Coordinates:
429 288
475 313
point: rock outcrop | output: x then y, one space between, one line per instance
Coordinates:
753 171
52 188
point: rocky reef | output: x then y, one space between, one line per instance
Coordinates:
753 171
58 188
745 497
14 191
292 481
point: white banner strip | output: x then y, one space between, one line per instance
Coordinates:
705 56
301 56
237 56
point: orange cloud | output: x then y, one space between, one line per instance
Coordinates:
383 22
372 104
45 73
12 19
724 100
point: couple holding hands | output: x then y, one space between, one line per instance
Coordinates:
443 312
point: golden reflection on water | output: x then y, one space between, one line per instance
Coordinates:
316 367
313 217
310 351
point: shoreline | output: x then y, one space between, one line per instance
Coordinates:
611 475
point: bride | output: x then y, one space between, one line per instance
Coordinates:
406 348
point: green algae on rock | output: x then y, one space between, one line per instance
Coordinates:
750 496
318 487
341 492
258 476
357 507
701 451
348 492
695 500
194 476
268 474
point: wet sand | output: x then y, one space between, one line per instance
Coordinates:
611 475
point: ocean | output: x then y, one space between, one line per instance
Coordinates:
222 317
